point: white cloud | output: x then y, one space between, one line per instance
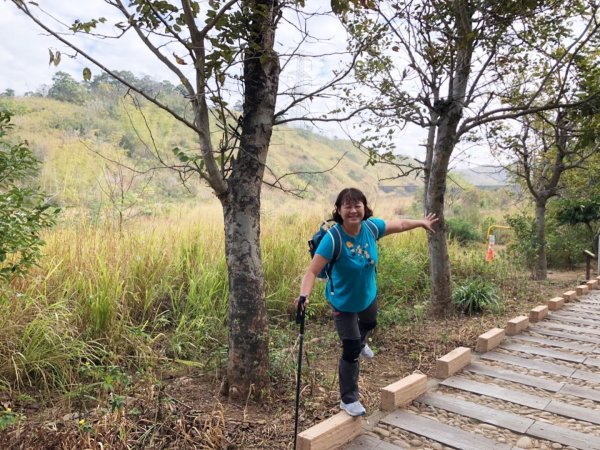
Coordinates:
24 53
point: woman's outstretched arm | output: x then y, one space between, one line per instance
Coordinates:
400 225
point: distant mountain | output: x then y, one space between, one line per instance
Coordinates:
485 176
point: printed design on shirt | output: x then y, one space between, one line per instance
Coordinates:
363 253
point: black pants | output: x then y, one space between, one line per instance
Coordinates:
352 328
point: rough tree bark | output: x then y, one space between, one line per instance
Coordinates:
247 370
541 266
450 112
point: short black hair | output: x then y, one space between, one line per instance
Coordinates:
350 195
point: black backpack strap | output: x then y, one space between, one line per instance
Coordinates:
336 237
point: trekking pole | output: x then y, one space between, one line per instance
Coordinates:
300 320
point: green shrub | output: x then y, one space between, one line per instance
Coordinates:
462 231
568 234
24 211
476 296
523 249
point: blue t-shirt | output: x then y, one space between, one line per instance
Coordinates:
353 274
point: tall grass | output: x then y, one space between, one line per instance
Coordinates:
159 290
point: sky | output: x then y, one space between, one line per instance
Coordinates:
24 60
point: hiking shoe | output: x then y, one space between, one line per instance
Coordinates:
366 352
353 409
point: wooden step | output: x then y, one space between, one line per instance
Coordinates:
591 323
541 351
564 436
367 442
583 308
594 377
513 422
560 334
562 327
594 315
579 391
574 412
555 343
442 433
589 304
521 398
592 362
541 366
491 390
578 325
497 417
515 377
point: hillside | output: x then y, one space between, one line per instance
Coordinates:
485 176
80 145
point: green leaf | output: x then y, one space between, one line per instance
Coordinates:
339 7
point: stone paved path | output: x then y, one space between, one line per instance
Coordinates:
539 389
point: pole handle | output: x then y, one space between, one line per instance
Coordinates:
300 309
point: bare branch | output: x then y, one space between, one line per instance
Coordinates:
277 182
25 9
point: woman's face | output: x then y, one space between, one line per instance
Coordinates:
352 212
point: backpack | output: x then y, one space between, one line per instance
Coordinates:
336 236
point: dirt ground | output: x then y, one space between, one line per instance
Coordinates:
184 409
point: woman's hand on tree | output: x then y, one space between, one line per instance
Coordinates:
430 220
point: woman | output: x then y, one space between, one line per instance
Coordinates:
351 289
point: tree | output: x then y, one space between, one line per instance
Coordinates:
224 47
544 146
448 67
66 89
24 211
583 210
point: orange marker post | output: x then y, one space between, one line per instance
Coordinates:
489 256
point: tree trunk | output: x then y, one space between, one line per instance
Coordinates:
429 148
450 113
248 364
439 261
541 265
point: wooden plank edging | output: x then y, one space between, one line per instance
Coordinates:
489 340
452 362
556 303
516 325
538 313
403 391
581 289
330 434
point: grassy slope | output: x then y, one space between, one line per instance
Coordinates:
66 136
